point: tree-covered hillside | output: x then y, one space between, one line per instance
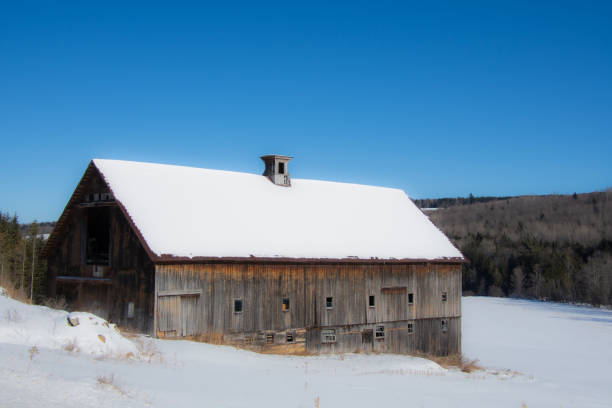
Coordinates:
556 247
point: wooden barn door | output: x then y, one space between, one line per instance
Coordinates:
188 315
177 315
168 315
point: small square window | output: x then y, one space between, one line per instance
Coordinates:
380 332
372 301
98 271
237 305
328 336
329 302
290 337
444 296
410 328
411 298
444 325
285 306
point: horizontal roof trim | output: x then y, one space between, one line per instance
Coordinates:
169 259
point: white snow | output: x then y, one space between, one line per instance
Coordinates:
192 212
536 354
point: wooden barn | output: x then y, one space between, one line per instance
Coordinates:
266 261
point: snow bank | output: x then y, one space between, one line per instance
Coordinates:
49 328
192 212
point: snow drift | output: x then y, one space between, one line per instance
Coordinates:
48 328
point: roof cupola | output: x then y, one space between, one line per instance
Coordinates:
277 169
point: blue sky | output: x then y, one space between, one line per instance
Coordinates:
437 98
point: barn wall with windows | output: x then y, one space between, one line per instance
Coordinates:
325 307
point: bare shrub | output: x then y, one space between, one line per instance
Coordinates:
58 303
33 351
109 381
146 349
70 346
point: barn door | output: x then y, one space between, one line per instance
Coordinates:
168 315
188 315
177 315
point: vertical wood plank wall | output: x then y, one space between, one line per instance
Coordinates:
128 277
262 287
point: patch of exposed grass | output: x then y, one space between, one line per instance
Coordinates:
58 303
110 382
32 352
70 346
455 361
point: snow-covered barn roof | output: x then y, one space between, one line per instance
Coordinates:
187 212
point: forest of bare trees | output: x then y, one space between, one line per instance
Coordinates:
556 247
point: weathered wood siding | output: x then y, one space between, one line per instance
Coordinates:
262 287
128 275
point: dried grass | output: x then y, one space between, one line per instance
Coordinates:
146 349
12 291
58 303
212 338
33 351
454 361
109 381
70 346
293 349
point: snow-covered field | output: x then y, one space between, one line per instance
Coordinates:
536 354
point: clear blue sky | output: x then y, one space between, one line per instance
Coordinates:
437 98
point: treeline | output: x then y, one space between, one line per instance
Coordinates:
556 247
22 270
452 201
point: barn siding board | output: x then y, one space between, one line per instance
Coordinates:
263 286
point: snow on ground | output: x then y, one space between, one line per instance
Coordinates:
557 356
49 328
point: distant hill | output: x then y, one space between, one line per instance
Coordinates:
555 247
43 227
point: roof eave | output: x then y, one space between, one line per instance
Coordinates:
172 259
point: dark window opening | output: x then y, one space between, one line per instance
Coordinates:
444 326
328 336
444 296
281 168
411 298
285 306
237 305
329 302
290 337
270 338
410 328
98 235
371 301
380 332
